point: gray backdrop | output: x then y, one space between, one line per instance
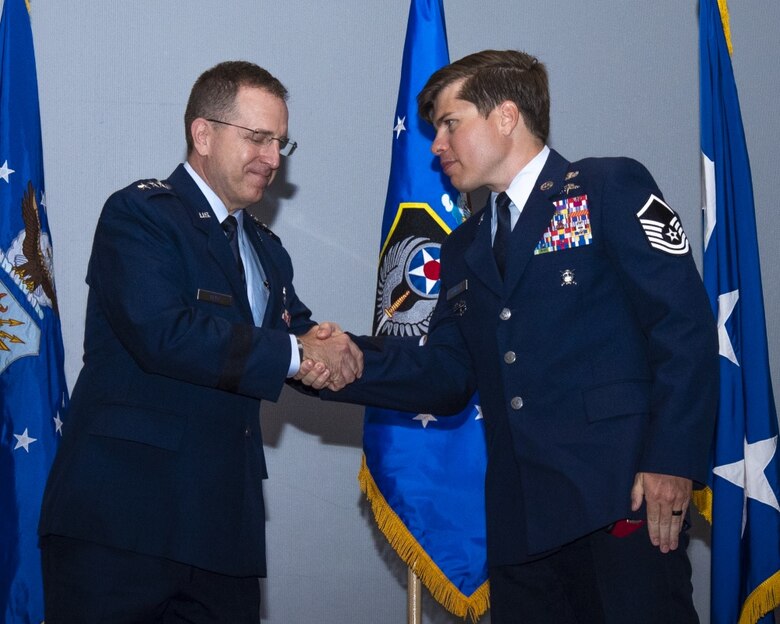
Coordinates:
114 78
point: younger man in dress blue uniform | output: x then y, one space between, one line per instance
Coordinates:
572 303
154 509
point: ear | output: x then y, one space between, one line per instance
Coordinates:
201 132
509 116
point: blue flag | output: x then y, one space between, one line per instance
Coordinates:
33 394
423 474
742 500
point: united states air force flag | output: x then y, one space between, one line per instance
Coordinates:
742 500
424 475
33 395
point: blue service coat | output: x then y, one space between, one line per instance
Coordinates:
593 362
162 452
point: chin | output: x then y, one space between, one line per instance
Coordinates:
463 187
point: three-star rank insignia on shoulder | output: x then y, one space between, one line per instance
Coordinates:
662 227
153 184
263 227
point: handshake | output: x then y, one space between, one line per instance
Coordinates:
330 358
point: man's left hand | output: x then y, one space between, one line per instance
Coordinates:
666 498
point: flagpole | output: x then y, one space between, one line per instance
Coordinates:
413 598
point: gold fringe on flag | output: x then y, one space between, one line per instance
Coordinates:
703 501
763 598
410 551
724 18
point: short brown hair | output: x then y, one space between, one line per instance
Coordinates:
491 77
214 93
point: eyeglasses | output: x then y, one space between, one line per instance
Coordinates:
263 138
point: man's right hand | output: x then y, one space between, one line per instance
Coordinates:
329 358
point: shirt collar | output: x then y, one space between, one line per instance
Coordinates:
523 183
217 206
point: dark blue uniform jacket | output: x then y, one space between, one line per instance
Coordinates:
593 361
162 452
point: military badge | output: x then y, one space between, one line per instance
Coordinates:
408 277
572 174
546 186
569 227
567 278
147 185
662 227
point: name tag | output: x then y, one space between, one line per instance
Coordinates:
214 297
457 289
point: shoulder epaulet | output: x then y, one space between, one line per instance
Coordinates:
262 226
152 187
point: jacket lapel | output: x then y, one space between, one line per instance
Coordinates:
479 254
534 219
205 222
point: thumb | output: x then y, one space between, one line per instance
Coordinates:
324 330
637 492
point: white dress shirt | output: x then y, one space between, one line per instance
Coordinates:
520 189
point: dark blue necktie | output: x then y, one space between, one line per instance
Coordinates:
503 230
230 225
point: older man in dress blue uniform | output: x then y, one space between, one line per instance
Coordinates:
154 509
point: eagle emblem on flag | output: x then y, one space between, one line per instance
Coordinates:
31 255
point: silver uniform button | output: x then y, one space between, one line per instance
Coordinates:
505 314
247 433
510 357
516 403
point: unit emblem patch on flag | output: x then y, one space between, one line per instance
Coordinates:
19 335
662 227
569 227
408 281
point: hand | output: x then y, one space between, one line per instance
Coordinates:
663 494
328 345
328 329
313 374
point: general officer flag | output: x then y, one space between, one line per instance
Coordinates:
424 475
33 394
742 498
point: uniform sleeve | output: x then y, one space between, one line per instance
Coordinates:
651 253
399 374
141 272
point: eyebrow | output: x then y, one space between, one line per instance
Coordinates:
438 121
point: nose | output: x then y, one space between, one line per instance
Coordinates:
271 154
439 144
